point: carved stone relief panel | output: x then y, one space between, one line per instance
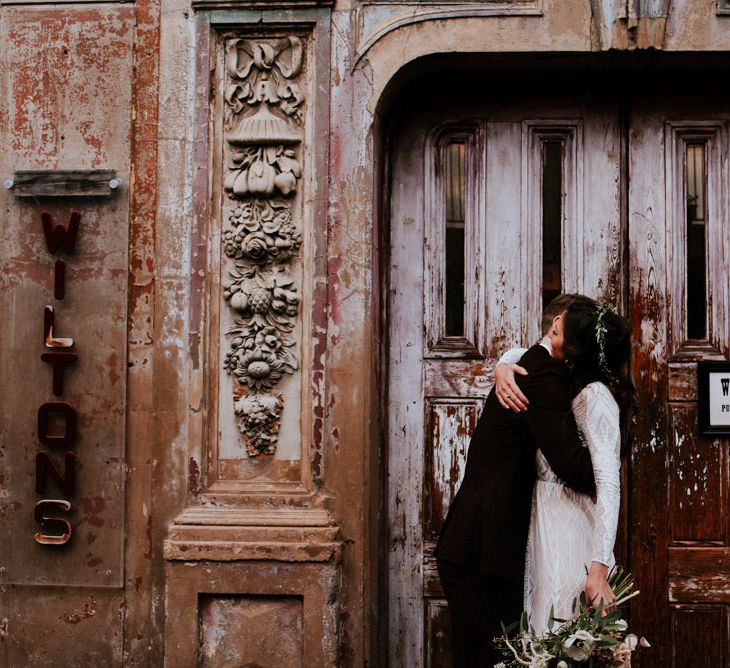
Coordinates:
263 130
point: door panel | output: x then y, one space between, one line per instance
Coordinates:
697 484
708 623
450 424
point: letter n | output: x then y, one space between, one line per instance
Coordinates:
45 466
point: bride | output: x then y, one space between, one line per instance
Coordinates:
571 533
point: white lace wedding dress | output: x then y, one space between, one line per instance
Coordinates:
567 529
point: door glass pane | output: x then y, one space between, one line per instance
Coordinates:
552 217
455 217
696 189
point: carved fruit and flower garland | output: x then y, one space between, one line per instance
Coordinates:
261 238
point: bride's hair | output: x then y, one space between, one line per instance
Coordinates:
597 344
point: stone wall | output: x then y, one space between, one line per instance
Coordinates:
226 303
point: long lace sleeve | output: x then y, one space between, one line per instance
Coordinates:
597 416
512 356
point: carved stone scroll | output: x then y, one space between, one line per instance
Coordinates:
260 235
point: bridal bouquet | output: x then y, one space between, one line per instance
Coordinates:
587 640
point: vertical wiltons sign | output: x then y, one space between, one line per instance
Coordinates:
66 135
64 268
57 420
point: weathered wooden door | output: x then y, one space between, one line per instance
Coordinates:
679 244
493 211
496 207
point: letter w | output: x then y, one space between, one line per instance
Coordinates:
725 386
58 235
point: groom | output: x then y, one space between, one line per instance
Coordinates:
481 552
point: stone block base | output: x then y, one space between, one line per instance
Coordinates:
261 596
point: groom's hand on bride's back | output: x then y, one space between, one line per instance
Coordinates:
508 392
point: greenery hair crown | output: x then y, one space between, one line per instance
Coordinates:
601 332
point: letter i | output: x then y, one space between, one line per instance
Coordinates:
59 279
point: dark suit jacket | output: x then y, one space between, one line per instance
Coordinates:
488 521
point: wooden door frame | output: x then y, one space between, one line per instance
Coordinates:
632 540
382 239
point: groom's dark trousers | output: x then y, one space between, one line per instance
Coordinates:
477 603
481 551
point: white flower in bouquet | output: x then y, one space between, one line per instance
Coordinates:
621 625
579 645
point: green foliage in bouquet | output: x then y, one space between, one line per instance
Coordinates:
587 640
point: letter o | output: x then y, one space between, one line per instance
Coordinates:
69 432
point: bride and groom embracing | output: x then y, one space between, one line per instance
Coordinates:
539 502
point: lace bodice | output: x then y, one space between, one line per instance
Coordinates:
597 416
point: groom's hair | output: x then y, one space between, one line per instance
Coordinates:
558 305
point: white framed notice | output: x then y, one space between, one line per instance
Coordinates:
713 386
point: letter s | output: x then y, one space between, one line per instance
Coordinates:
55 523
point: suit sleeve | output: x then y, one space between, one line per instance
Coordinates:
552 425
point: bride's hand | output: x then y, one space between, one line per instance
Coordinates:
508 392
597 588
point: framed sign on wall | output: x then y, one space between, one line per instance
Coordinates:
713 385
